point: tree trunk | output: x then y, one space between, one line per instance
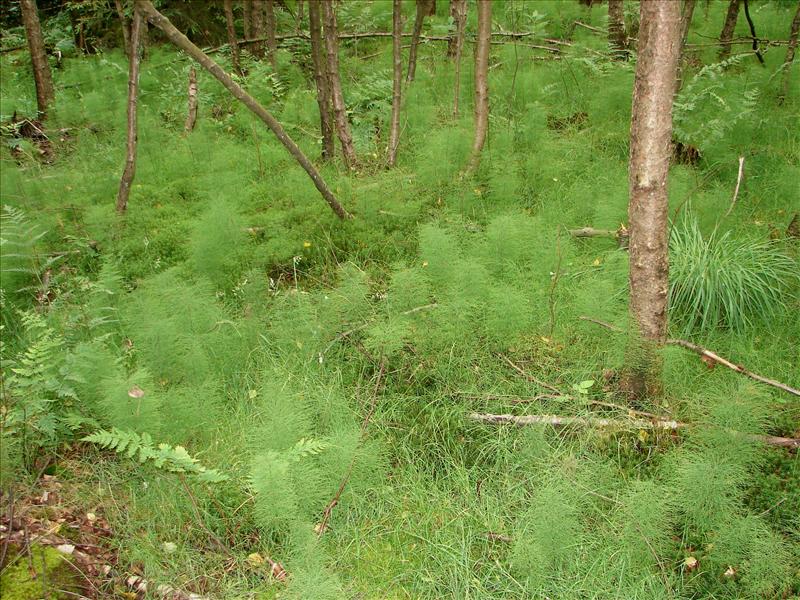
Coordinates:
727 30
650 151
257 28
247 18
458 12
460 22
126 27
182 42
191 115
230 24
300 14
397 80
790 50
424 9
482 46
686 21
617 38
270 31
337 98
45 93
321 79
133 94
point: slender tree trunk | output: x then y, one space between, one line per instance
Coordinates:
270 31
727 30
790 50
126 27
230 24
686 21
247 18
650 151
45 93
617 38
461 23
182 42
257 28
191 115
337 98
133 95
424 9
458 12
482 80
300 14
318 57
397 80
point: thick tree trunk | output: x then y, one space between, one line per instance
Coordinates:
182 42
230 25
461 23
727 30
257 28
650 151
337 98
318 57
191 114
482 46
458 12
126 27
133 95
790 50
617 38
424 8
397 79
270 31
45 93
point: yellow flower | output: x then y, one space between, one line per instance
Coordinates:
306 244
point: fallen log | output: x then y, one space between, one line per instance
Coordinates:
622 235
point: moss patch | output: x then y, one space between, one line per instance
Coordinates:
49 578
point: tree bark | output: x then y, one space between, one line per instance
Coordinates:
270 31
257 28
247 18
617 38
650 151
191 115
790 50
482 46
727 30
133 94
126 27
45 93
230 24
458 12
460 7
182 42
337 98
397 79
686 21
424 8
318 58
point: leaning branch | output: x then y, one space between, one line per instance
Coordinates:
710 355
182 42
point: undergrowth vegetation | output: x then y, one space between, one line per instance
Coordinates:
243 376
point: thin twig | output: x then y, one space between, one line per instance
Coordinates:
738 183
528 376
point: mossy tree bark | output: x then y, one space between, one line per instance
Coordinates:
270 29
257 28
129 172
181 41
617 38
482 47
247 18
230 25
331 36
790 50
728 27
397 79
318 58
42 78
425 8
650 152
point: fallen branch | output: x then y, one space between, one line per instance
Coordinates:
656 424
710 355
528 376
738 183
622 235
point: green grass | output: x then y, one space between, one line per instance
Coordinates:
235 335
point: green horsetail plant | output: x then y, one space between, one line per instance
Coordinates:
723 281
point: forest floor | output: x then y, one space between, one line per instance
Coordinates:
324 372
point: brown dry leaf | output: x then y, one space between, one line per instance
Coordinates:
691 563
136 392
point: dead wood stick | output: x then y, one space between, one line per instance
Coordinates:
530 377
191 115
713 356
738 183
656 424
